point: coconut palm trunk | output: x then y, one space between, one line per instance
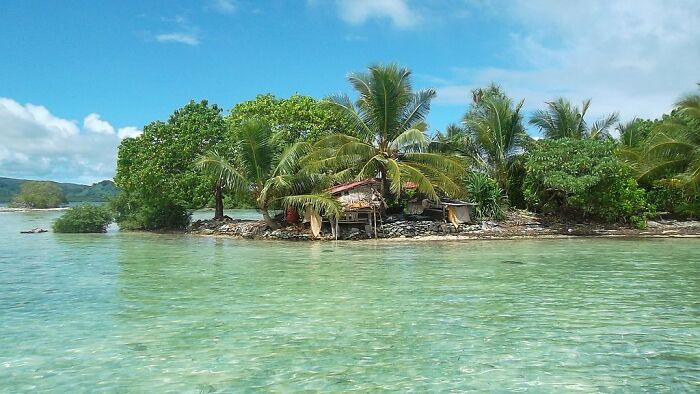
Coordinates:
268 219
218 201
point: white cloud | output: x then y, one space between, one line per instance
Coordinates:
360 11
128 132
93 123
179 37
36 144
223 6
635 57
179 30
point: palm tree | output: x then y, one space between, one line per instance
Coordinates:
388 137
271 179
674 146
222 172
633 137
495 135
565 120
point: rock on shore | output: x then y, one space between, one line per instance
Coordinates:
517 224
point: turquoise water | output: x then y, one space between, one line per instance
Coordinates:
122 312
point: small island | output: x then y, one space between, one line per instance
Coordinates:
369 167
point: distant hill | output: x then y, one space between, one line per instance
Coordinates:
100 191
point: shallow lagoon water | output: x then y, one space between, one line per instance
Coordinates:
126 312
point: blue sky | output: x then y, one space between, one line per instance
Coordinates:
77 77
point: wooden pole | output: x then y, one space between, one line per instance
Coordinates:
374 213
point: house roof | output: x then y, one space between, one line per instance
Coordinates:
349 185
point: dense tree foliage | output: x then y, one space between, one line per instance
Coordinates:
388 137
293 119
37 194
583 178
85 218
156 170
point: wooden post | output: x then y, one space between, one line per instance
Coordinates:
374 213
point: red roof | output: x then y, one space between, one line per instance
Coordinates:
349 185
410 185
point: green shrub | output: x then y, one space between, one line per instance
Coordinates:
84 218
585 179
668 195
487 197
131 214
516 178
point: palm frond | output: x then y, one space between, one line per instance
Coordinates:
253 137
413 174
323 203
290 159
690 106
601 127
450 185
228 175
344 107
451 165
417 108
411 139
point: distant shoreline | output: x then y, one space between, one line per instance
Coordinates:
7 209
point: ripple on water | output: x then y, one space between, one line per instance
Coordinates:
144 312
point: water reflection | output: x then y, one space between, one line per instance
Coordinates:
145 312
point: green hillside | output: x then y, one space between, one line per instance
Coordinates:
100 191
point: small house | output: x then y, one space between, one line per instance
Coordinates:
362 203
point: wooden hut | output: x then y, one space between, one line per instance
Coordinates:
446 209
362 203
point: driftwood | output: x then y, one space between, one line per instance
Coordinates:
36 230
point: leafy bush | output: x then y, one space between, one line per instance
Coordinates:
131 214
35 194
84 218
486 195
516 178
668 195
583 178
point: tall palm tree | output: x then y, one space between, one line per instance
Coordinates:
389 137
564 120
495 135
271 179
674 146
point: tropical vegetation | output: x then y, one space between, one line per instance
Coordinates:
388 137
283 153
583 178
272 179
39 194
562 119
